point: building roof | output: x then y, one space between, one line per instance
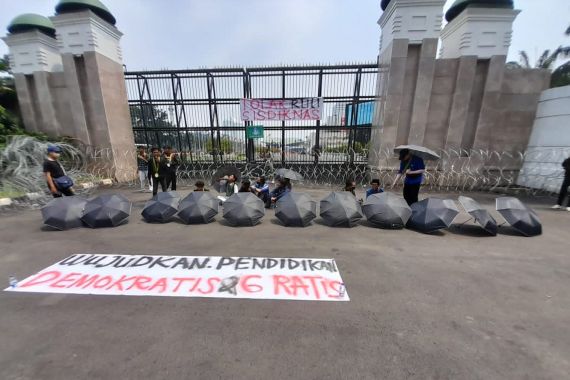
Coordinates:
67 6
31 21
460 5
384 4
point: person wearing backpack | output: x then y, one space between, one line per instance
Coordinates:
58 182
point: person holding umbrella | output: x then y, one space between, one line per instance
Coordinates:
58 182
157 171
412 167
564 188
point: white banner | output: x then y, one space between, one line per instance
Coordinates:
191 276
284 109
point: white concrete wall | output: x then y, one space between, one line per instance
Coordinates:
33 51
549 142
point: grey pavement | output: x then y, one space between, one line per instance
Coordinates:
452 305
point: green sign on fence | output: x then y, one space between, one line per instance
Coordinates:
254 131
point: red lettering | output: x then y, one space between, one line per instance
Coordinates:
181 280
67 278
193 288
255 104
84 281
297 283
314 285
139 282
119 283
315 114
280 282
160 283
41 279
211 285
103 282
261 115
335 289
250 288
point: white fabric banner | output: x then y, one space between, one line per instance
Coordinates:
281 109
191 276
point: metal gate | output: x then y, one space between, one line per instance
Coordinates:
198 113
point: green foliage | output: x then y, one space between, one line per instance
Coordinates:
225 145
561 76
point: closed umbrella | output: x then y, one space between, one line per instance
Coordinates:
288 173
519 216
198 207
243 209
480 215
161 208
419 151
296 209
109 210
432 214
340 209
64 213
386 210
224 172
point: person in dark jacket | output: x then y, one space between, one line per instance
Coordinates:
283 187
58 182
412 168
564 189
172 163
158 171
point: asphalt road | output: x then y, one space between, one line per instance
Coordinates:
453 305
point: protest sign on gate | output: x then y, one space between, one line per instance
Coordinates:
281 109
191 276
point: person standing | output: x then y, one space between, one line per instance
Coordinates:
58 182
172 164
158 171
564 189
413 169
142 164
375 189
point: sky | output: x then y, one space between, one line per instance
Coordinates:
180 34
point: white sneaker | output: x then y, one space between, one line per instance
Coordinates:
556 207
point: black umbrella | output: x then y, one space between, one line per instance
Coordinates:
340 209
198 207
480 215
288 173
520 217
64 213
161 208
419 151
432 214
108 210
243 209
296 209
224 172
387 210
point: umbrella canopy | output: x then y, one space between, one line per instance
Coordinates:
386 210
221 173
432 214
108 210
199 207
480 215
243 209
161 208
64 213
419 151
296 209
340 209
288 173
522 218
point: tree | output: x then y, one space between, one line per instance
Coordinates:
226 145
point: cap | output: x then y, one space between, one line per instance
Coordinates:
53 149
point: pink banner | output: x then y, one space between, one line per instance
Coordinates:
281 109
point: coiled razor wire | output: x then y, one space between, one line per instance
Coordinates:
456 171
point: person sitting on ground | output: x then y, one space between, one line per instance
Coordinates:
261 189
158 171
245 187
231 186
58 182
564 188
375 189
200 186
283 187
350 186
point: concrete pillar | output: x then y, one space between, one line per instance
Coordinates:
422 93
71 78
48 120
461 100
25 101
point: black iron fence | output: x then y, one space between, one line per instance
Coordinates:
198 113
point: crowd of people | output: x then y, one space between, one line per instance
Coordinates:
160 168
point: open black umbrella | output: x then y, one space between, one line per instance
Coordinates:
64 213
296 209
198 207
222 172
520 217
161 208
288 173
108 210
480 215
340 209
387 210
243 209
432 214
419 151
